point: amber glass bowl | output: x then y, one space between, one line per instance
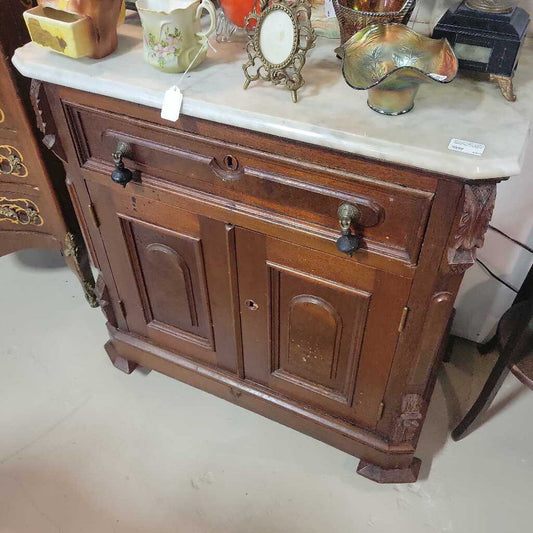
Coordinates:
354 15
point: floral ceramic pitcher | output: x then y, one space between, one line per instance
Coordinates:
173 40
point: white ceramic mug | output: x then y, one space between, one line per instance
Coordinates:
172 36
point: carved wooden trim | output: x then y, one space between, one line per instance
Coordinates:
44 120
477 211
410 419
35 89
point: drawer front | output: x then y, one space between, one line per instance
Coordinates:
392 218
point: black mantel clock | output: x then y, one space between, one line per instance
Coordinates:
486 36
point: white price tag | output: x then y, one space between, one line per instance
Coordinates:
439 77
172 104
330 10
466 147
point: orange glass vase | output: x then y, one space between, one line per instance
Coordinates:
236 10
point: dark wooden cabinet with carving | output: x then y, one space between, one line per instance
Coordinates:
219 267
35 210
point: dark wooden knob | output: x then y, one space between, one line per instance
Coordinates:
121 174
347 244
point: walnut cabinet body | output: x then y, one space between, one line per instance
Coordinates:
219 268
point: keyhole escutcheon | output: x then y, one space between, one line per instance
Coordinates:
231 162
251 305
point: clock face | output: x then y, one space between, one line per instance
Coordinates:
470 52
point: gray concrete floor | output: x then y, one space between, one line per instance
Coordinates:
86 448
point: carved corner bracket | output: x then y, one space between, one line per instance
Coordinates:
44 120
409 422
478 205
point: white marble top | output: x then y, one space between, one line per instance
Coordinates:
328 113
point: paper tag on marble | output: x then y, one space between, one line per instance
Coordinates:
466 147
172 104
330 10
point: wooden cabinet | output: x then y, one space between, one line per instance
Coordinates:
219 268
35 211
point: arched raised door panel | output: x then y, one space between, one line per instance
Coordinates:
170 277
317 333
313 339
174 285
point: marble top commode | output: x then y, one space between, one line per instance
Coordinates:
328 113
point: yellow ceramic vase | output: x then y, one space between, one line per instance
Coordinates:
70 27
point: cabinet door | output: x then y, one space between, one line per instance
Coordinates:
172 269
316 328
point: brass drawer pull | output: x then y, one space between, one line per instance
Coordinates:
347 243
121 174
11 162
20 211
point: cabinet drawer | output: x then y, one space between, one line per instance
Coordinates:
392 218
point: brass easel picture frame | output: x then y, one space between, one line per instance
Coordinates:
281 64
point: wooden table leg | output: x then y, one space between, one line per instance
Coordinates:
516 343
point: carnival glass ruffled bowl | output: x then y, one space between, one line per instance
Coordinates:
391 61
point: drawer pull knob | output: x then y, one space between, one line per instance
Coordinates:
10 164
347 243
121 174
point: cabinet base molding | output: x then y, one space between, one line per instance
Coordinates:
126 351
119 362
408 474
